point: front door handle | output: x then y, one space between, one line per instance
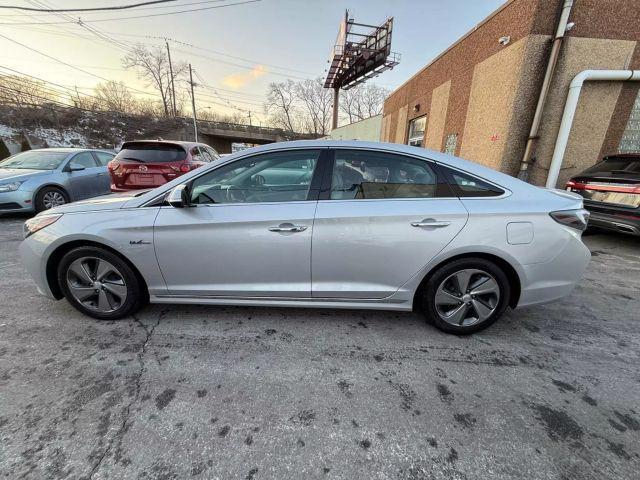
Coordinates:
288 227
430 222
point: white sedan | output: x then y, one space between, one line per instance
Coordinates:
326 224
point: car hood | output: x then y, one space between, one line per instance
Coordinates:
20 173
103 202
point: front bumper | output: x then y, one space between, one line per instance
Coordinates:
16 201
32 250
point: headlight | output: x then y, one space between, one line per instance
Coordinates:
10 187
36 223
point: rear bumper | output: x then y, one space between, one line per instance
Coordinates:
619 223
552 280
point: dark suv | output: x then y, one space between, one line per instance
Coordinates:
151 163
611 191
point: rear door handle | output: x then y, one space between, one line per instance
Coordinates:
430 222
288 227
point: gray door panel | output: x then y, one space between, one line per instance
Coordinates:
370 248
236 249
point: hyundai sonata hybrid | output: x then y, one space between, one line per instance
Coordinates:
327 224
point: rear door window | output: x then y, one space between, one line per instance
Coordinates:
152 153
103 157
364 174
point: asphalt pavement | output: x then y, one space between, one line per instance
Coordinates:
548 392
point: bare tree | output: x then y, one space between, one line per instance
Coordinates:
115 97
21 91
84 102
316 102
281 105
362 101
152 65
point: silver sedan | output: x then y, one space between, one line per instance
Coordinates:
37 180
318 224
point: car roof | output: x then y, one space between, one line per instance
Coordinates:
184 143
65 150
471 167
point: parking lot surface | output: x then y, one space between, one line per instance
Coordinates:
549 392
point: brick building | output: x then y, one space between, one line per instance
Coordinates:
477 99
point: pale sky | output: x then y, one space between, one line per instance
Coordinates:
237 50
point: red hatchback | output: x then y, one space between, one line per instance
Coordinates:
150 163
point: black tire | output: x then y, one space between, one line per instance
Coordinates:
445 272
41 203
136 294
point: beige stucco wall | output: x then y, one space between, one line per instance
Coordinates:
368 129
384 133
401 126
596 106
437 116
493 92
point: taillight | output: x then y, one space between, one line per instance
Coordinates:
577 219
113 166
604 187
185 167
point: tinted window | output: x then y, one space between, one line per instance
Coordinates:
465 185
614 165
104 157
273 177
40 160
84 159
360 174
196 155
151 153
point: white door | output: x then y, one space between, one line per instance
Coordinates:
248 231
386 216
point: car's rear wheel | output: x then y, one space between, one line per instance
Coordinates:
466 295
99 283
50 197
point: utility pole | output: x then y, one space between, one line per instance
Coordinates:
250 118
173 88
193 104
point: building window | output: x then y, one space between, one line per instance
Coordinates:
630 141
450 143
416 131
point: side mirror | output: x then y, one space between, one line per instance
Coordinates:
179 197
75 167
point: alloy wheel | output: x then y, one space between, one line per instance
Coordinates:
52 199
96 284
467 297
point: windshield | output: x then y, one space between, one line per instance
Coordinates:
35 160
151 153
630 165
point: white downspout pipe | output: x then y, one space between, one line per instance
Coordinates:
570 111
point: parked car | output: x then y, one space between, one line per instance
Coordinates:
49 177
611 192
393 227
144 164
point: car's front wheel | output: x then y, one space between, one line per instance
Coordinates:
99 283
50 197
466 295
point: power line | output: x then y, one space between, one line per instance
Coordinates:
94 9
68 64
136 16
139 9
